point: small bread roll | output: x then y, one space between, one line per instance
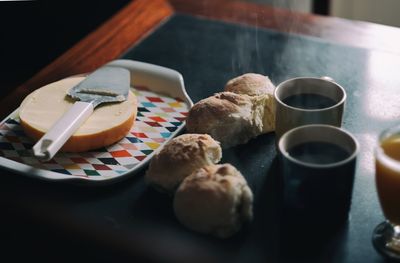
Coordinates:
179 158
214 200
251 84
232 118
257 85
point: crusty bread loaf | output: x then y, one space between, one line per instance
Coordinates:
250 84
179 158
261 89
108 124
232 118
214 200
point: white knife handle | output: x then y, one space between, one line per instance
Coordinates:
62 130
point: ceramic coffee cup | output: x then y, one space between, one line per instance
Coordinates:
302 101
318 166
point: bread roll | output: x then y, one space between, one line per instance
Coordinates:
232 118
179 158
254 85
251 84
214 200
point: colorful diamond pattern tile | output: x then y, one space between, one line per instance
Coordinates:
157 120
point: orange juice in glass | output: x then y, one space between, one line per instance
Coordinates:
386 237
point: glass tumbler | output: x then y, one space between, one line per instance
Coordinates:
386 236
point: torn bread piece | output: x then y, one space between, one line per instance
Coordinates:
179 158
232 118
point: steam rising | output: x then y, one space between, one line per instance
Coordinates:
252 51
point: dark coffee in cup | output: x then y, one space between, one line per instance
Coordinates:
318 152
309 101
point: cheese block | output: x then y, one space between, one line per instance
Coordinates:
108 124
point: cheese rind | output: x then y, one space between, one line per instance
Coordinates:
108 124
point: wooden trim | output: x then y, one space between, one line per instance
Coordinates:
106 43
342 31
140 17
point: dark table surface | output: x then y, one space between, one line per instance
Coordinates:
129 220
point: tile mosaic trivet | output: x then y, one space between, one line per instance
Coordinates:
158 120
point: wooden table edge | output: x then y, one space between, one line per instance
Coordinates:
138 18
334 29
127 27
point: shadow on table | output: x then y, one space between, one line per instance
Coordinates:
256 242
305 237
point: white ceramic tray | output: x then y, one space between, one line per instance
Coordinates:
163 105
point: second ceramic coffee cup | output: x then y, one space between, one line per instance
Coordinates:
302 101
318 165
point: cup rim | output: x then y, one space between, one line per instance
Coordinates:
285 153
312 78
380 153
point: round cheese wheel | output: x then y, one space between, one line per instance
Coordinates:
109 122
